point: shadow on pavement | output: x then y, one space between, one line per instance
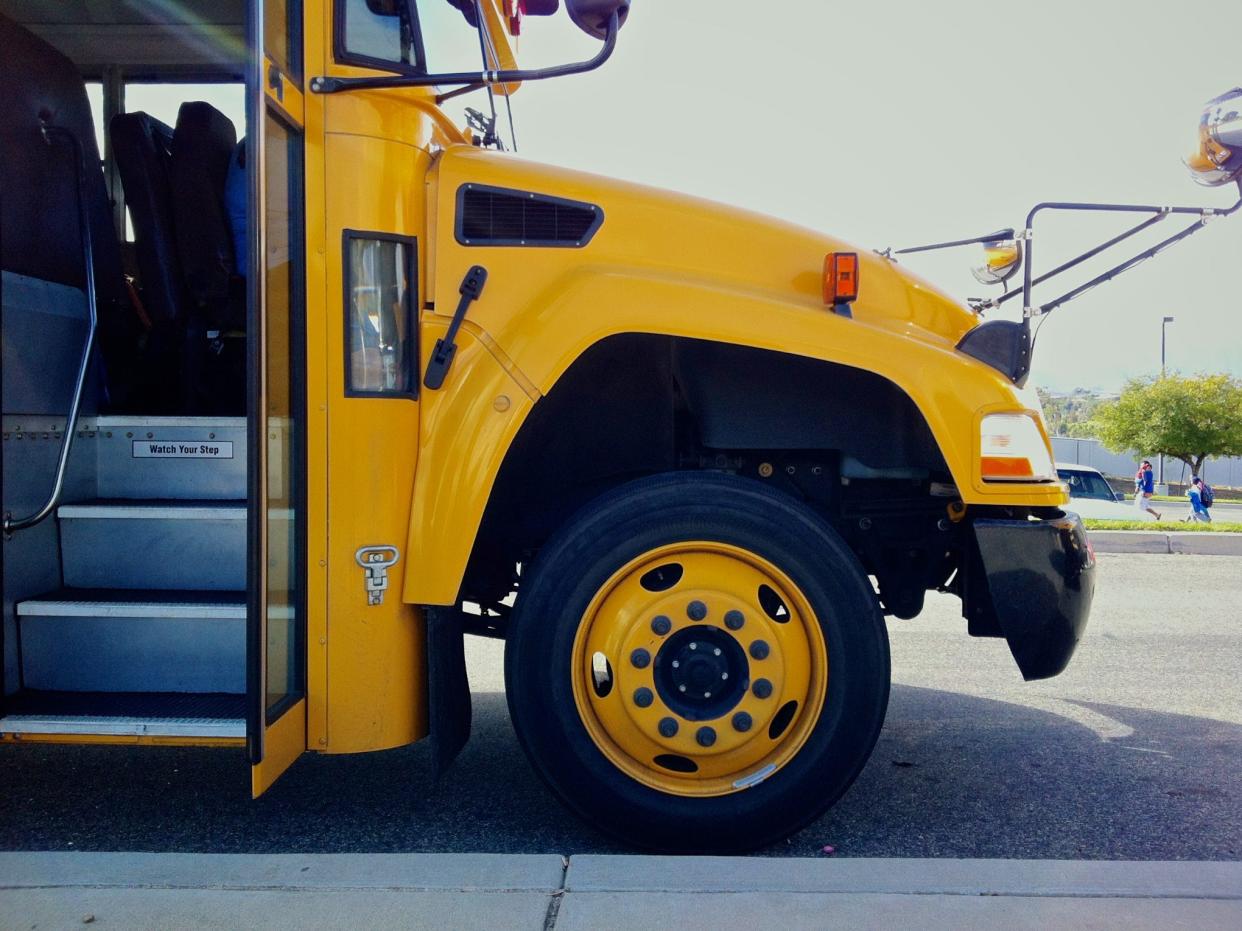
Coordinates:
952 776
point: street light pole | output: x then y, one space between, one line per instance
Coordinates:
1164 325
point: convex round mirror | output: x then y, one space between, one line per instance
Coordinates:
1001 259
593 16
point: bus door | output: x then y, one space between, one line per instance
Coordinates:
276 579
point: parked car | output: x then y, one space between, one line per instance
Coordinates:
1092 497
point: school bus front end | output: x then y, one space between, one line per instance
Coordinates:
684 459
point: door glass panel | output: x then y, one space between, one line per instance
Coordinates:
281 36
283 170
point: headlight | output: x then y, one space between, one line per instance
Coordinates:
1013 449
1218 158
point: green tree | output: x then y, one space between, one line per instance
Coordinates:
1184 417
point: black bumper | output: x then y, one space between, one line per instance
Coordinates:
1040 578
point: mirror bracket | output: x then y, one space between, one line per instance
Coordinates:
331 85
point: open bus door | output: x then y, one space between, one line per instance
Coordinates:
276 583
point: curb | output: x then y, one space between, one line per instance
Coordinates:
600 873
1145 541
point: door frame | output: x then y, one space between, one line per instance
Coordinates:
275 736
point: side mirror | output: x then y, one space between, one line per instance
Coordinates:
1001 260
1119 496
593 16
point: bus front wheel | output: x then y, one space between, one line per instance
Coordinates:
697 662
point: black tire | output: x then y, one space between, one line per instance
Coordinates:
620 526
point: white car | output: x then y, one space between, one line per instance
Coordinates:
1092 497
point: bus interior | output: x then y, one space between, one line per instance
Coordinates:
125 200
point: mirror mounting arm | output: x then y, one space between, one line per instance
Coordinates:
331 85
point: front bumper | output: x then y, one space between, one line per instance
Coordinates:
1040 579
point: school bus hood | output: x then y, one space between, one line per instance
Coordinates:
650 232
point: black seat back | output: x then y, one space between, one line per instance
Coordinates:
39 227
202 146
142 146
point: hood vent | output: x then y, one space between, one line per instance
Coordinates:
492 216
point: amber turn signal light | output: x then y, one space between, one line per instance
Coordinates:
840 277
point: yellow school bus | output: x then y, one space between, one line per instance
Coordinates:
306 378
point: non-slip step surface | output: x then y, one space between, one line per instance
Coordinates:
153 509
104 602
164 714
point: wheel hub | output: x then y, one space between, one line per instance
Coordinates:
716 669
701 673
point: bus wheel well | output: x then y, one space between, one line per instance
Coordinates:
639 404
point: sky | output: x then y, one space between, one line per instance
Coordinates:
901 123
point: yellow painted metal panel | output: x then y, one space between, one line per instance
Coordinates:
283 742
670 264
376 664
318 26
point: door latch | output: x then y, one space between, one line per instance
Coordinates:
376 561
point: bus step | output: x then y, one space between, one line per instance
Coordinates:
127 642
154 544
111 714
167 457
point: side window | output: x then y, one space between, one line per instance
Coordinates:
375 34
379 315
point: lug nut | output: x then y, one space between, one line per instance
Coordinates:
640 658
734 620
676 663
762 688
716 651
742 722
643 697
759 649
705 736
667 727
661 625
696 610
694 646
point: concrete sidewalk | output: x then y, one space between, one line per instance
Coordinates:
494 891
1188 543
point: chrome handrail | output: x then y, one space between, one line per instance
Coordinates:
11 525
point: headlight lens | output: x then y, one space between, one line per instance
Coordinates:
1013 449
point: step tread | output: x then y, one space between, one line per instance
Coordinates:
164 714
122 421
105 602
154 509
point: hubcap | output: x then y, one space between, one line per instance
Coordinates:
719 675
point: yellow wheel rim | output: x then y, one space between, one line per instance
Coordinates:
699 669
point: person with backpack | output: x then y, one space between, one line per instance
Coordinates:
1201 498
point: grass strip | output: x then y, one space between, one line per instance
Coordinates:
1165 526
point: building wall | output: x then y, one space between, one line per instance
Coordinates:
1223 472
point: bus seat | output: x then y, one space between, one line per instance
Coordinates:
202 147
39 205
142 146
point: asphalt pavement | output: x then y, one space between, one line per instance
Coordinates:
1135 752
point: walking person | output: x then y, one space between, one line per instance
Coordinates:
1144 488
1200 495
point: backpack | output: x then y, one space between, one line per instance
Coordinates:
1205 495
